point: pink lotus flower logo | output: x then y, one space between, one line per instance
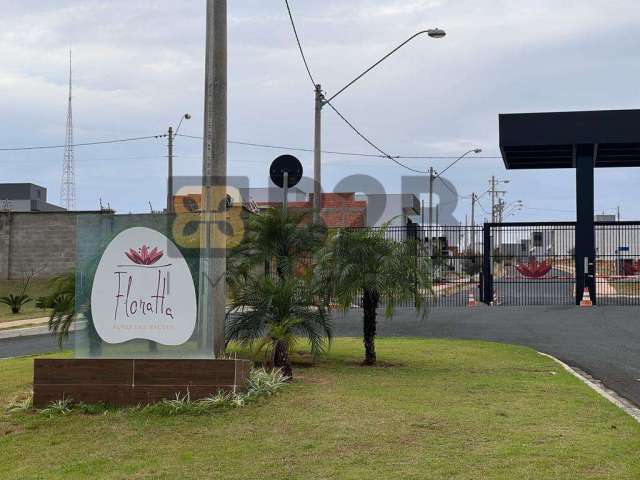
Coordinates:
534 269
144 256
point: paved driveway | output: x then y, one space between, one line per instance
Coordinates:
602 341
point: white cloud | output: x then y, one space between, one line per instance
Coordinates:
138 66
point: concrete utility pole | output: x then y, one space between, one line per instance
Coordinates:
171 135
493 198
170 172
213 253
317 155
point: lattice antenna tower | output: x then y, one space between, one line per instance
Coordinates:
68 185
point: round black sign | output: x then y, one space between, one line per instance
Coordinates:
289 164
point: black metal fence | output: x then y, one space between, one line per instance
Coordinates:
531 263
455 265
617 263
523 263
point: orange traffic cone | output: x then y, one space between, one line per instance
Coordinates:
495 301
472 301
586 299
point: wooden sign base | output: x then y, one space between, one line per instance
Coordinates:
134 382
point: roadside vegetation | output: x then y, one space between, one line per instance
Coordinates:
30 307
430 409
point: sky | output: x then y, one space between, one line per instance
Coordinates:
139 66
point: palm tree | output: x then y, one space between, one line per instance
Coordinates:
273 312
364 262
276 238
62 304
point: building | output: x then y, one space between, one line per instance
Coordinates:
25 197
396 208
336 209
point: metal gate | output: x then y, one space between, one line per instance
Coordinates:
456 261
525 263
617 263
530 263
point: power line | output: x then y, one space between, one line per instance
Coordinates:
331 152
103 142
361 135
295 32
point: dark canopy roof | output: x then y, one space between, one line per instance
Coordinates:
547 140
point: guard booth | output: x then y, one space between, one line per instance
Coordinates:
579 140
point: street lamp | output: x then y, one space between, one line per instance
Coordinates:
171 136
321 101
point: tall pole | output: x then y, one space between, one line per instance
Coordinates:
211 301
493 199
430 210
422 221
285 191
170 171
317 155
473 221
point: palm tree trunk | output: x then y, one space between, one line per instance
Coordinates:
281 359
370 300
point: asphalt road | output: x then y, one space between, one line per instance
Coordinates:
602 341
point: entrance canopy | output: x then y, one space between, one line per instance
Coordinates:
549 140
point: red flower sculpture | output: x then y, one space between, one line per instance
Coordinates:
632 268
534 269
144 256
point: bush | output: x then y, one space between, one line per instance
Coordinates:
15 302
262 383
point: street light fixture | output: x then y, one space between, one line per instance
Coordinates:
171 136
321 101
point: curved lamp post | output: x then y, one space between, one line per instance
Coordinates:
321 101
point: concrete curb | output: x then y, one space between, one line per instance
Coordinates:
24 332
595 384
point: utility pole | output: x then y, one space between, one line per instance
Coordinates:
493 199
213 254
317 155
618 208
170 172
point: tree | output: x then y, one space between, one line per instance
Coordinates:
364 262
30 270
62 304
276 238
272 312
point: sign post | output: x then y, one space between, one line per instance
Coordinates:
286 172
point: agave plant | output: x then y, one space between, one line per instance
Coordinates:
15 302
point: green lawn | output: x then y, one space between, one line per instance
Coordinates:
36 289
433 409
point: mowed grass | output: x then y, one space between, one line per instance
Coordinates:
432 409
36 288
